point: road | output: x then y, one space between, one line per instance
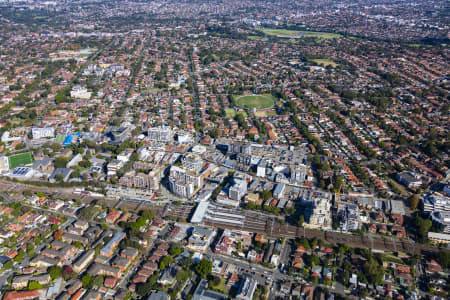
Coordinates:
266 276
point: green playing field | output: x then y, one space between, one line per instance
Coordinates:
255 101
21 159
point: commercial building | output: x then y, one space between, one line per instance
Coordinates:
160 134
22 173
261 169
441 220
238 189
62 173
247 288
141 180
119 135
279 190
202 293
44 132
184 180
158 295
4 164
318 215
200 239
299 174
114 166
436 202
440 238
80 92
350 218
409 179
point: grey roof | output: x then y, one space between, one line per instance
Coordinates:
65 172
54 288
42 162
199 212
118 236
397 207
158 295
201 293
4 259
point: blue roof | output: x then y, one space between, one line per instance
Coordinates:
118 236
54 288
279 188
67 140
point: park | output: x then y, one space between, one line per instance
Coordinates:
255 101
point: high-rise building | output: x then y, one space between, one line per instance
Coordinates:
160 134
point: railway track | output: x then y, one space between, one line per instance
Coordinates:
277 230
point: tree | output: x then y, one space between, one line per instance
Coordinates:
239 245
98 281
373 271
175 250
183 275
143 289
241 120
312 260
30 250
305 243
314 243
56 147
8 265
60 162
75 174
27 193
187 263
266 195
422 226
414 201
54 272
148 215
301 220
33 285
86 280
59 177
165 262
203 268
444 259
214 133
67 272
20 256
215 281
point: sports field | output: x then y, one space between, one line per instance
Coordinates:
230 113
60 138
299 34
263 113
325 62
254 37
255 101
21 159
